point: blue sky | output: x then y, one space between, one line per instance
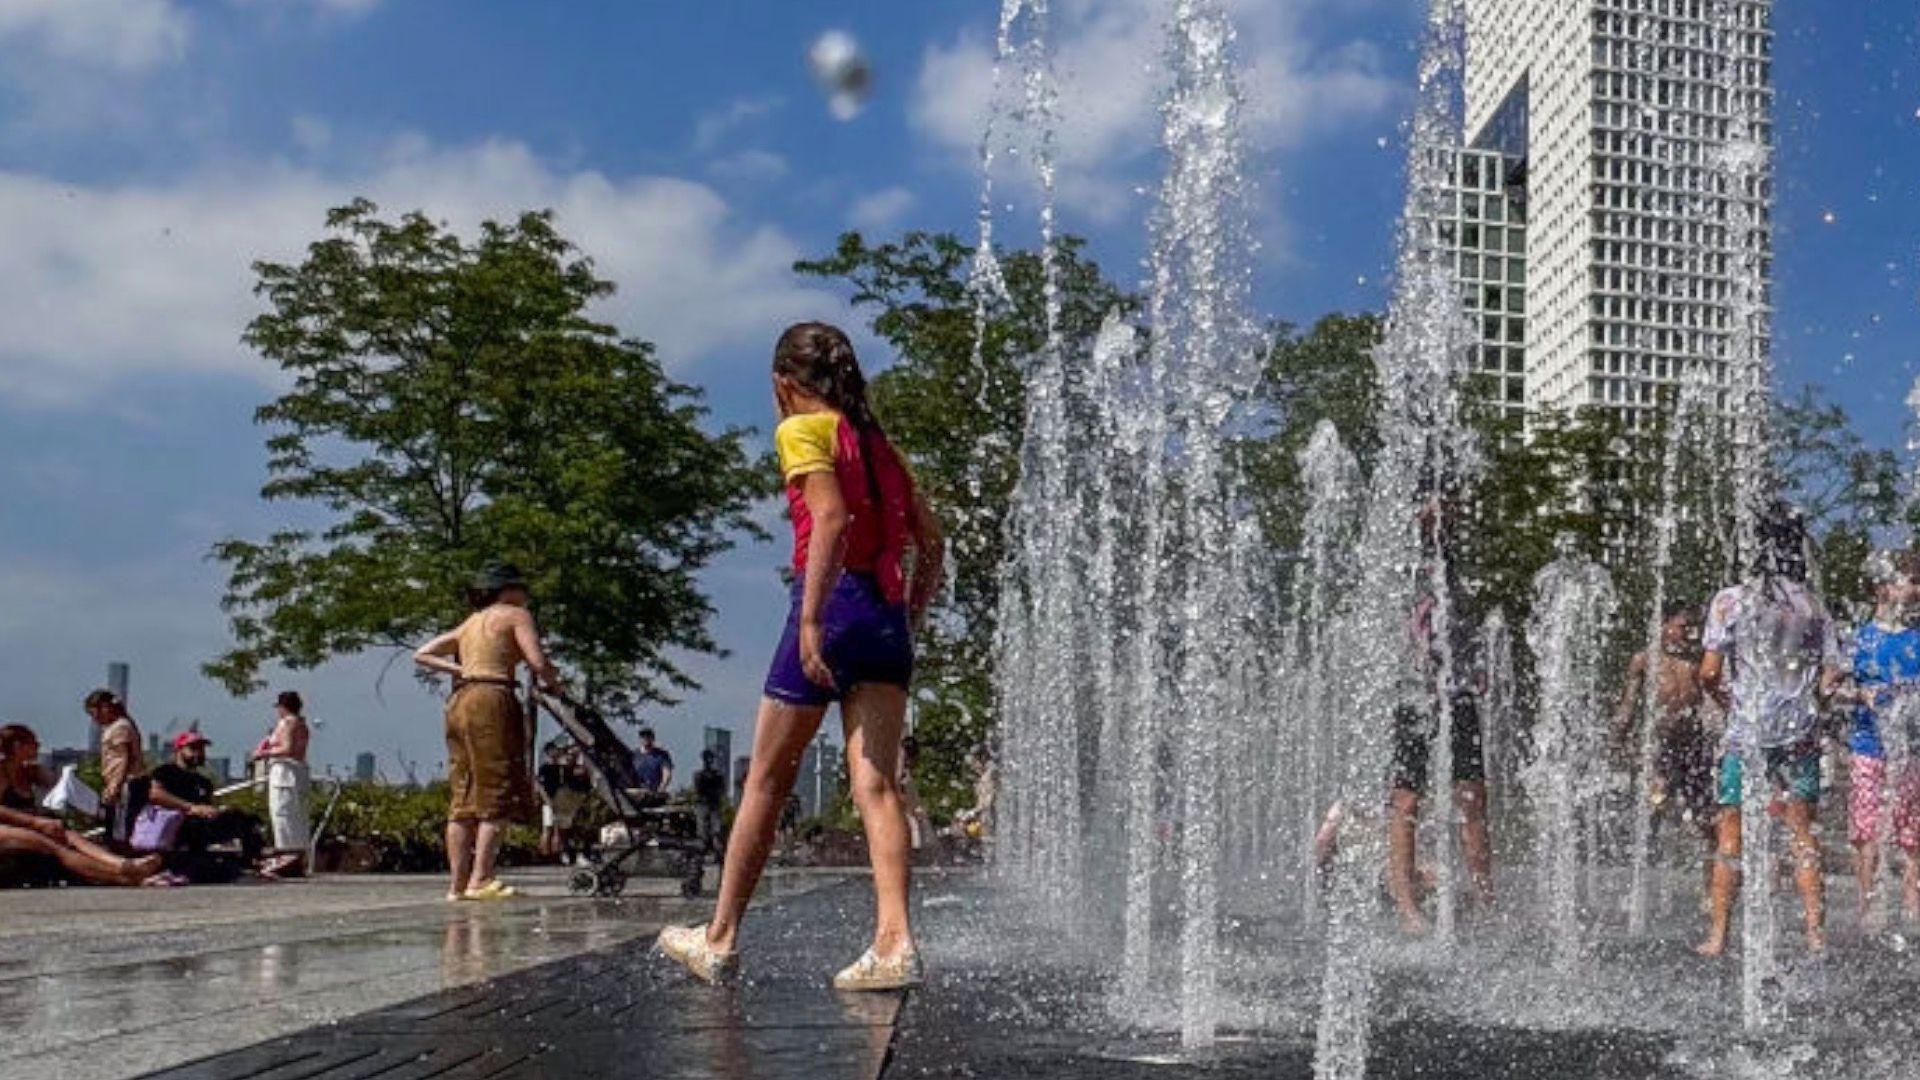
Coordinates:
149 149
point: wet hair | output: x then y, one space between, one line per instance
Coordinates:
1781 550
290 701
101 697
1908 564
1884 568
647 733
819 359
480 599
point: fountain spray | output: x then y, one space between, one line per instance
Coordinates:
1419 361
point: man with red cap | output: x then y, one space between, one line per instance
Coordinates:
184 777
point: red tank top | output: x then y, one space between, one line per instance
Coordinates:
878 492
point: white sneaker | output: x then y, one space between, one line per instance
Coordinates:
687 946
872 973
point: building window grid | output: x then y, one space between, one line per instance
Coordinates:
1482 229
1645 274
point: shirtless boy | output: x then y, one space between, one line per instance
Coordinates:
1683 785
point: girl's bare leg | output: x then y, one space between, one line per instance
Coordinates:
874 716
460 853
780 737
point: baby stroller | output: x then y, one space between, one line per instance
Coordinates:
660 840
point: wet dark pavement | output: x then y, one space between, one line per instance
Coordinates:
1005 1000
618 1011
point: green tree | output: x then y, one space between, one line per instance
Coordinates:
1847 489
960 425
452 403
1326 373
1587 476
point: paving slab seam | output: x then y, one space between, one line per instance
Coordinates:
311 937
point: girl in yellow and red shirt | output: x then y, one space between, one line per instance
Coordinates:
866 561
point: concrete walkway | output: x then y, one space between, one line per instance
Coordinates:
98 984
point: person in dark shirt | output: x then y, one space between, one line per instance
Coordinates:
563 793
710 793
652 765
183 776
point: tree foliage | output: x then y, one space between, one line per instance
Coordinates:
1326 373
1847 489
959 422
453 403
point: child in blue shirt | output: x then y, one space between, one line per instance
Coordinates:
1885 667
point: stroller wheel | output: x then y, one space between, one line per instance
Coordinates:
584 882
612 881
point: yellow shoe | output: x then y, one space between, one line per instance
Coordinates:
688 947
872 973
493 890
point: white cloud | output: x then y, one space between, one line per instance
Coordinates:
748 166
1108 60
340 7
116 35
312 134
107 281
712 128
880 210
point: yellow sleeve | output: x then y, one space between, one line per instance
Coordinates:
806 443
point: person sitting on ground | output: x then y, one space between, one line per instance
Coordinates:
126 785
1771 654
184 777
1683 787
710 794
488 779
285 752
652 765
25 831
1886 669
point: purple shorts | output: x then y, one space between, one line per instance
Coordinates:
867 641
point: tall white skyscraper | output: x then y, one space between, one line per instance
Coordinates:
1620 225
